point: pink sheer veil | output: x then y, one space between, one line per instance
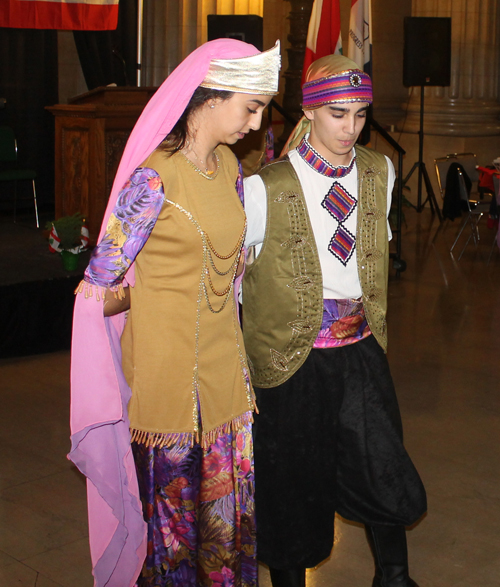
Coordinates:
166 106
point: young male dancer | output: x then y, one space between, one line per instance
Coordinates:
328 437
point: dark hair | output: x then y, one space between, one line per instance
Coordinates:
176 138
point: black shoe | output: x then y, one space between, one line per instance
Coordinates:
288 577
391 556
409 583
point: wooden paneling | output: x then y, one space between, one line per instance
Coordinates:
75 171
91 134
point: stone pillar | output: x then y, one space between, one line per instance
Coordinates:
171 31
299 22
161 46
470 106
174 28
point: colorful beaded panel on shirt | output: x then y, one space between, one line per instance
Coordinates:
342 245
319 164
345 86
344 323
340 204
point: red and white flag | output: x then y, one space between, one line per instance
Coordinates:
74 15
323 35
360 41
55 241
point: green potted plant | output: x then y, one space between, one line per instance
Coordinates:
68 236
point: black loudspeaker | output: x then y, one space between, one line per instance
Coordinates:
244 27
427 51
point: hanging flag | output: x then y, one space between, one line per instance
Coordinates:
74 15
323 35
359 47
360 41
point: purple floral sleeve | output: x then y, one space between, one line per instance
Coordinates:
129 227
239 183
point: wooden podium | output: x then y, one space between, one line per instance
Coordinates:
91 133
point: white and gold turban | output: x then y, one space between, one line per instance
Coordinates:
257 74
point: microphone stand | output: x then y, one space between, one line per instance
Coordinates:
422 170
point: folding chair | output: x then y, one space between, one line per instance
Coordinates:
10 171
474 213
496 241
470 201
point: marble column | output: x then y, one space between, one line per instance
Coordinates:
470 106
174 28
300 13
161 40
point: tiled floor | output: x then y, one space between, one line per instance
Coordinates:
444 325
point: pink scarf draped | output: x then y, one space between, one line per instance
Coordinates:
100 438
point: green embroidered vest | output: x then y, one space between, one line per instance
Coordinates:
283 288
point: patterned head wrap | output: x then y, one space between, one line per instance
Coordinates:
335 78
330 79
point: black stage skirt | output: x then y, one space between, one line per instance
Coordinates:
330 440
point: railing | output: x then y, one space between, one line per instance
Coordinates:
282 111
398 263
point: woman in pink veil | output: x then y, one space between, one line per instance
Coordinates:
161 401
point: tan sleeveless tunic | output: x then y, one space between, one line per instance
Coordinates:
182 344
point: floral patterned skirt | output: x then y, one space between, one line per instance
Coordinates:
199 509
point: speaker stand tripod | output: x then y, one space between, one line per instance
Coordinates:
422 170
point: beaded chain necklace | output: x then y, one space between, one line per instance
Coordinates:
206 174
209 252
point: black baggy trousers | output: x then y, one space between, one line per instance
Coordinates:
330 440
